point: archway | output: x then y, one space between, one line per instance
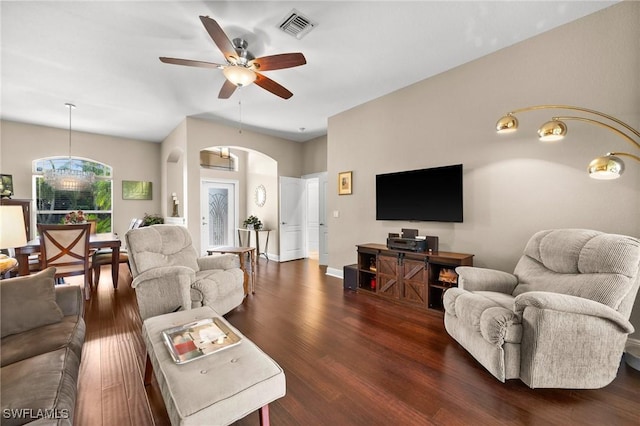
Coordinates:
251 170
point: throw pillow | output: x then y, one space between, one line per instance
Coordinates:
28 302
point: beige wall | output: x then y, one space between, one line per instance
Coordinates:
131 160
314 156
513 185
172 168
263 170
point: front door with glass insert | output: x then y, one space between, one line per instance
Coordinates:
218 212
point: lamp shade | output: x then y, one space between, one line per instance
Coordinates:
12 228
507 124
239 75
606 168
552 131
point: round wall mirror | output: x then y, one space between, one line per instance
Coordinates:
260 196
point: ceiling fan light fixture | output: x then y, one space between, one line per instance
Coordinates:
240 68
240 76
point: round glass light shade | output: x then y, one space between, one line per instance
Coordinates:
239 75
606 167
507 124
552 131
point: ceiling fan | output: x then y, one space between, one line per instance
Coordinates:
242 67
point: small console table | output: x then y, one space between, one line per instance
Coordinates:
416 279
257 232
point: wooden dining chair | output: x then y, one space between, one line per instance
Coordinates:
66 247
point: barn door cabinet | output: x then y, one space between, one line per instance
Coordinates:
410 278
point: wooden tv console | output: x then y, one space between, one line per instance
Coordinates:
416 279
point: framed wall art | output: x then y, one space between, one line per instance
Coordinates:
344 183
6 186
136 190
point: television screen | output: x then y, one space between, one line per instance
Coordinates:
433 194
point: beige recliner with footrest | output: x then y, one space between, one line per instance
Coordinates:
561 320
168 274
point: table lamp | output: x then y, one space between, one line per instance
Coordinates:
12 234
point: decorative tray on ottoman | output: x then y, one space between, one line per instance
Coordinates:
197 339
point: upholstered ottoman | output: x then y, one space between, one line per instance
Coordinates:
216 389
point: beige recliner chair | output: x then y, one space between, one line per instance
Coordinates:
169 275
560 320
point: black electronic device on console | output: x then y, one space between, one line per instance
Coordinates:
409 244
423 244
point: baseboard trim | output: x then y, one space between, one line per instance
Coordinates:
334 272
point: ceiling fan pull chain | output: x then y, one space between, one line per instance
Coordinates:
240 109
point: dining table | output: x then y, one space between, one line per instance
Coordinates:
96 242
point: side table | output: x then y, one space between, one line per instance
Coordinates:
241 252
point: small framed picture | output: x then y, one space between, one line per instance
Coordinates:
6 186
344 183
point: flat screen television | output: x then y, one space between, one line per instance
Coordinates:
433 194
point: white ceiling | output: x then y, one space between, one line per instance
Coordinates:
103 57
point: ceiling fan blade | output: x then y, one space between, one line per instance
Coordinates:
277 62
227 90
219 37
271 86
190 63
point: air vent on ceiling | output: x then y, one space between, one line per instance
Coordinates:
296 24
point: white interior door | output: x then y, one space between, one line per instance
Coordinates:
218 210
313 217
292 201
323 242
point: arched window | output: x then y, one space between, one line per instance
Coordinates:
56 197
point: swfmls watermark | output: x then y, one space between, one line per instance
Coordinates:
35 414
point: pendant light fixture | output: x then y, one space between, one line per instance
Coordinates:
67 178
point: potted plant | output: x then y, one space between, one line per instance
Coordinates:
252 222
152 219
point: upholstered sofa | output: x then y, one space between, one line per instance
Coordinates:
42 336
168 274
560 320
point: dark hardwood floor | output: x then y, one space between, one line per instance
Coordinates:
349 359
